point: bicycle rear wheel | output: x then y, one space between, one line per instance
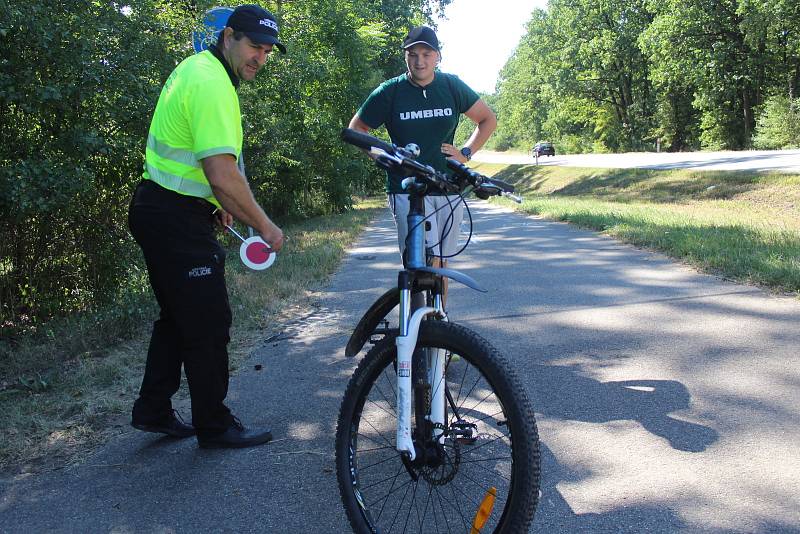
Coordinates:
489 441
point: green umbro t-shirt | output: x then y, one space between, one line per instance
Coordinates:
427 117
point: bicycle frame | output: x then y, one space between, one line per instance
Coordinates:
415 269
410 321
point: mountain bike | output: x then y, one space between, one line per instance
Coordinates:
435 431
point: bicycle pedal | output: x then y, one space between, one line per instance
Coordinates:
465 433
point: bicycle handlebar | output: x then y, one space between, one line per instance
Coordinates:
366 141
391 156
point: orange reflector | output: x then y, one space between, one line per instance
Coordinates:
484 511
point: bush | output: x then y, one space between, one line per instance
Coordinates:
78 85
77 93
778 125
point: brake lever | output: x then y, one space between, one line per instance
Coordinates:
381 153
512 196
499 192
385 160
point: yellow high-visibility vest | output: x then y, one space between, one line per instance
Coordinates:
197 116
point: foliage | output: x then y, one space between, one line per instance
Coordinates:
78 84
76 99
779 124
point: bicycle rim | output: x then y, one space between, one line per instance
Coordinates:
491 444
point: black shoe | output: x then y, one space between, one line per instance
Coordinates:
171 424
236 437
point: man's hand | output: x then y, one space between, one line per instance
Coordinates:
453 153
231 189
223 218
273 236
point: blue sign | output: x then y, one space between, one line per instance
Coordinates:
213 23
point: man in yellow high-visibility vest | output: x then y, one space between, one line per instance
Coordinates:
192 177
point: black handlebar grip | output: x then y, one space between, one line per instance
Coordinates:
365 141
463 170
508 188
458 167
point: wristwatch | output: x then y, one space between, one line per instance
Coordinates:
467 152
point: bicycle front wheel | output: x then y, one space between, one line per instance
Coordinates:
484 459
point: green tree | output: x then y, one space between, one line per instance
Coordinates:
77 80
778 124
578 74
78 83
521 103
703 46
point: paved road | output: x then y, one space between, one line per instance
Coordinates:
746 160
667 401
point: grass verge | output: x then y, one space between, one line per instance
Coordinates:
740 225
71 386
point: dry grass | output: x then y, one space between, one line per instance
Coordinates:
60 400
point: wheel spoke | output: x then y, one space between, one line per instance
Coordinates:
391 488
481 445
390 458
389 381
441 506
401 486
493 472
474 408
400 506
461 384
410 507
470 391
380 434
375 448
388 401
384 410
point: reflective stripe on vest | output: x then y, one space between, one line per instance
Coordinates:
178 183
165 151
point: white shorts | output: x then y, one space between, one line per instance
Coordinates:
445 223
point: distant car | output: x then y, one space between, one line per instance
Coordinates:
544 148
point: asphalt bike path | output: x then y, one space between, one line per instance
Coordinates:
667 400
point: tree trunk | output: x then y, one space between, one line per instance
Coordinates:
748 116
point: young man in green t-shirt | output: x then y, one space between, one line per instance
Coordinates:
423 106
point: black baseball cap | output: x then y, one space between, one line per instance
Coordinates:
421 35
256 23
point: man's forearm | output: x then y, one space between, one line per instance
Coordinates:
237 199
481 134
233 192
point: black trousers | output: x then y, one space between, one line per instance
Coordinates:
186 267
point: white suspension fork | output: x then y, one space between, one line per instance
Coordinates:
406 342
436 362
436 377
